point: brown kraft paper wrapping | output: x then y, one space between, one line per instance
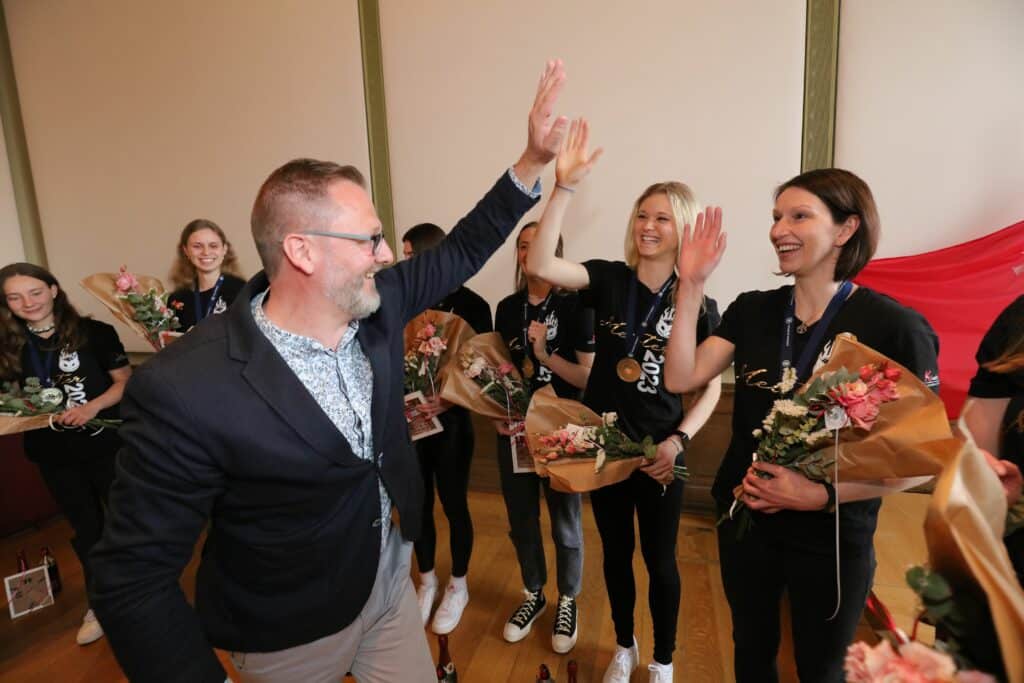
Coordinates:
549 413
454 331
103 286
464 391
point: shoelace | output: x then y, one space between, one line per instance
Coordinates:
528 607
563 617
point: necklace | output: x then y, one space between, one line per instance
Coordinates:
801 328
41 330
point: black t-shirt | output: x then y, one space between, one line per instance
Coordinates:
83 374
185 297
753 323
469 306
1006 330
570 329
645 407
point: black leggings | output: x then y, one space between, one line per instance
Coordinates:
446 457
79 478
658 517
756 571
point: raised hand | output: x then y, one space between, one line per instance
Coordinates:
546 133
538 336
702 247
574 163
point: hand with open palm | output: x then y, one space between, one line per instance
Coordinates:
574 162
702 247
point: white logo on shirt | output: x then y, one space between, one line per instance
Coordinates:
68 361
664 326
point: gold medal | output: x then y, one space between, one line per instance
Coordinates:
628 370
527 367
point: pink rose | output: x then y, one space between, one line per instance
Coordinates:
427 331
863 662
893 374
932 664
505 369
867 372
863 414
126 282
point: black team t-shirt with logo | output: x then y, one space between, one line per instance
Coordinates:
1007 329
185 298
570 329
82 374
753 323
645 407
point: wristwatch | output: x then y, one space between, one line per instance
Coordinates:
684 440
830 504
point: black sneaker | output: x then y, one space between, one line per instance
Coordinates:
563 638
521 621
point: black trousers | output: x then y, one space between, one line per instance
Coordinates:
756 571
445 458
79 478
657 513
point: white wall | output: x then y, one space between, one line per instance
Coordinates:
707 93
142 116
931 114
11 247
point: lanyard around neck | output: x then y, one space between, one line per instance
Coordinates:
200 313
633 335
803 365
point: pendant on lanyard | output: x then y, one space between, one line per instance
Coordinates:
42 365
803 365
628 369
200 313
528 366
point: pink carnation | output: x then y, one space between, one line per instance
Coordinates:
427 331
505 369
932 664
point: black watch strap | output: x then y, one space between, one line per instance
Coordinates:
830 505
684 439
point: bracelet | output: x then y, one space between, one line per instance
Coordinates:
830 504
565 187
684 440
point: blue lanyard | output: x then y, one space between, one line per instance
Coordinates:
803 365
42 366
200 314
632 335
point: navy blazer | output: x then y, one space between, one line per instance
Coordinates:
218 428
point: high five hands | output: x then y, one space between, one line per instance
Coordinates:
702 247
574 163
544 131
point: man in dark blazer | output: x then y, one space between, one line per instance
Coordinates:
281 425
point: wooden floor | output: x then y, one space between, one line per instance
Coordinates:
40 648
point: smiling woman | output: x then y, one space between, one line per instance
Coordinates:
205 273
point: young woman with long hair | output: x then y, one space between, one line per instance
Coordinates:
205 274
444 460
824 230
633 310
550 336
43 336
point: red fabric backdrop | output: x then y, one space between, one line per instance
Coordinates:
960 290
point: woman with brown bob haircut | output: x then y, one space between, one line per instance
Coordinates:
825 229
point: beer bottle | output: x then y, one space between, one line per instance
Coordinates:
50 562
445 667
544 674
572 668
22 562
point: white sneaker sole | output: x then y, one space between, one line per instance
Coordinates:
564 649
526 631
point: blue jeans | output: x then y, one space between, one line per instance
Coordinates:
522 501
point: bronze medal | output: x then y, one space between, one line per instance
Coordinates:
527 368
628 370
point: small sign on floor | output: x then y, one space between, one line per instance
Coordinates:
28 591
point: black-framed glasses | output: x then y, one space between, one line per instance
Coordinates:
376 238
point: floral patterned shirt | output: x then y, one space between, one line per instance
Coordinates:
339 380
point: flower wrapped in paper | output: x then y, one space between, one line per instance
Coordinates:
140 302
861 417
579 450
486 381
33 406
432 341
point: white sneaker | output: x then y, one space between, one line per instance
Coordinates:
623 664
450 612
425 595
563 638
90 631
660 673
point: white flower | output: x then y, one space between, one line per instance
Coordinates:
609 419
787 382
477 366
600 460
788 407
51 395
757 433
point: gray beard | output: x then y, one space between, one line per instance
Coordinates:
350 298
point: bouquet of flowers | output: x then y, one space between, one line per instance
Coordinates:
876 425
138 302
34 406
580 450
488 383
421 362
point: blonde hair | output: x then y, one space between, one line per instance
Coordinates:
684 210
